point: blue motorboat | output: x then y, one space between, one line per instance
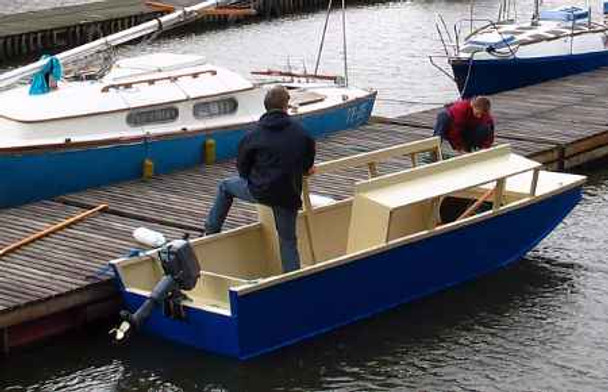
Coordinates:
400 237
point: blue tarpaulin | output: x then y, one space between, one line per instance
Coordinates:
40 81
565 14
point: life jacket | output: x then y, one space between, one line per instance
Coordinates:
467 132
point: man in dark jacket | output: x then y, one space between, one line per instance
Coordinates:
271 162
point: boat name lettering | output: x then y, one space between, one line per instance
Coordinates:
152 116
357 114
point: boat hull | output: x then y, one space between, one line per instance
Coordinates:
37 174
278 315
489 76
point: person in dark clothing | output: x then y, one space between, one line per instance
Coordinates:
272 159
467 125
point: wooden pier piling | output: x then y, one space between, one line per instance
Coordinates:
66 27
70 26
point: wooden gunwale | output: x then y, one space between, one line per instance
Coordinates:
152 81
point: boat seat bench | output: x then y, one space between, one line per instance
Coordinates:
396 205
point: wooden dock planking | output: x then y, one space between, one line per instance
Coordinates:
192 191
59 17
65 261
569 114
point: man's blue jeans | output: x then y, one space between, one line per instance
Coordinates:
284 219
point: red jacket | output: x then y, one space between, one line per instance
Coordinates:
463 120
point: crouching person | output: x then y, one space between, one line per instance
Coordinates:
272 160
465 126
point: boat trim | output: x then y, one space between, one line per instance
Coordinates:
151 81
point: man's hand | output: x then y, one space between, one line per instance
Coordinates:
312 170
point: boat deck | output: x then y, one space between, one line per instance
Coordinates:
561 123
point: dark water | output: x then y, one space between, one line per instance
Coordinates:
541 325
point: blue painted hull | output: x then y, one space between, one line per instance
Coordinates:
35 175
279 315
492 76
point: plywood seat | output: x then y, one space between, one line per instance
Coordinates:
404 203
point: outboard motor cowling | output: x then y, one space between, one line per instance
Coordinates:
182 271
180 262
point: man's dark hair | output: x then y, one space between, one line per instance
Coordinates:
474 139
277 98
482 103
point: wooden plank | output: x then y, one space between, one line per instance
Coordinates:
59 226
34 310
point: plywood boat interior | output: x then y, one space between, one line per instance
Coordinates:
386 211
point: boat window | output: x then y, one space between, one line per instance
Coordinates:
512 32
215 108
152 116
471 49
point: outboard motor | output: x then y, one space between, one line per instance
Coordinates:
182 272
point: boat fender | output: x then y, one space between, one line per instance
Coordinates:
148 169
149 237
209 151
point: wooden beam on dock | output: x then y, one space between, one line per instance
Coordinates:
50 230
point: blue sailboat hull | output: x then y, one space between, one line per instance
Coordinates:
34 175
481 77
272 317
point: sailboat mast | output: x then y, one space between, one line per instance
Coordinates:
536 14
323 38
344 42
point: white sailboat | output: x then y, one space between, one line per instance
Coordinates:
163 110
508 54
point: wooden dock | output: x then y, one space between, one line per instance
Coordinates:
61 281
22 35
65 27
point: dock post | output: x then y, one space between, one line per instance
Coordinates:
4 341
8 47
561 163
